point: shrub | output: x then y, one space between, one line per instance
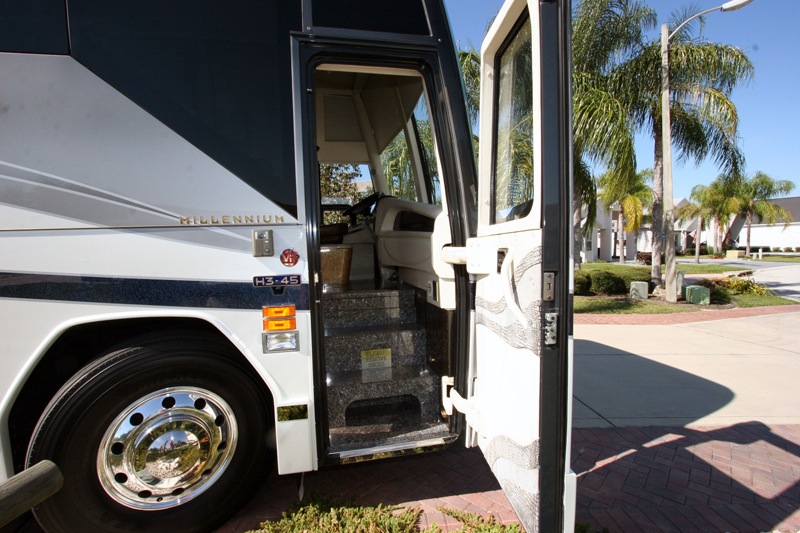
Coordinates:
720 295
703 250
743 286
604 282
788 249
583 282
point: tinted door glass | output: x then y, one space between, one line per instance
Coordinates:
513 166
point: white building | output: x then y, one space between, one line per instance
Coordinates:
603 243
771 237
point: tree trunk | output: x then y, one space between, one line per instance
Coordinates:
749 223
577 235
621 237
657 225
697 239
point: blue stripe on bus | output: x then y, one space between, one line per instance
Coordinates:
154 292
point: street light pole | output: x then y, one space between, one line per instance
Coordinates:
670 285
666 154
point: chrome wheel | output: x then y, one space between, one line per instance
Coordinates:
167 448
168 433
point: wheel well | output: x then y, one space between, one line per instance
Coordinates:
73 350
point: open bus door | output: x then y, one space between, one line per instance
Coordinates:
518 406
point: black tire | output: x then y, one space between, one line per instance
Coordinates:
116 478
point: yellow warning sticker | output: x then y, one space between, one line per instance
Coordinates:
376 365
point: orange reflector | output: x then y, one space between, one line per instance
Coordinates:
280 325
278 312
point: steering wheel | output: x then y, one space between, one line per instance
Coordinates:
363 206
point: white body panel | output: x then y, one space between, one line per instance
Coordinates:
97 187
30 327
94 158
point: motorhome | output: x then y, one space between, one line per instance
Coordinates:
248 235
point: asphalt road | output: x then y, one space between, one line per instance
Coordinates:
784 280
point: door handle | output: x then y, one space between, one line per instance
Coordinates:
507 276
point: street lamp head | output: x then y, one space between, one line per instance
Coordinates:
733 5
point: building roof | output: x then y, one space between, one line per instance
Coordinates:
791 204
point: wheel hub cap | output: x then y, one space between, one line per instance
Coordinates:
167 448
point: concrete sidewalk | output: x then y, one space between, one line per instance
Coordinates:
690 426
710 373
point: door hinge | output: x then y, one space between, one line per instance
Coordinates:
549 287
550 328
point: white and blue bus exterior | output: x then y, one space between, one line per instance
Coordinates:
168 323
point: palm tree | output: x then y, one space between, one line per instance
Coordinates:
698 209
721 202
470 62
704 119
605 34
755 194
632 196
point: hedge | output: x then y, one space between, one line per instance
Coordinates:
583 283
604 282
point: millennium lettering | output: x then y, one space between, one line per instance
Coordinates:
230 220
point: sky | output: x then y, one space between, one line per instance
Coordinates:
769 121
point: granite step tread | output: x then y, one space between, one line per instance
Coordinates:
400 372
391 347
343 331
381 434
380 385
369 308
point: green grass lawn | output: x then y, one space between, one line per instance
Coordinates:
625 306
618 305
779 259
754 300
689 268
704 268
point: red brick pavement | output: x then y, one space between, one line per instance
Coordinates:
455 478
743 478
